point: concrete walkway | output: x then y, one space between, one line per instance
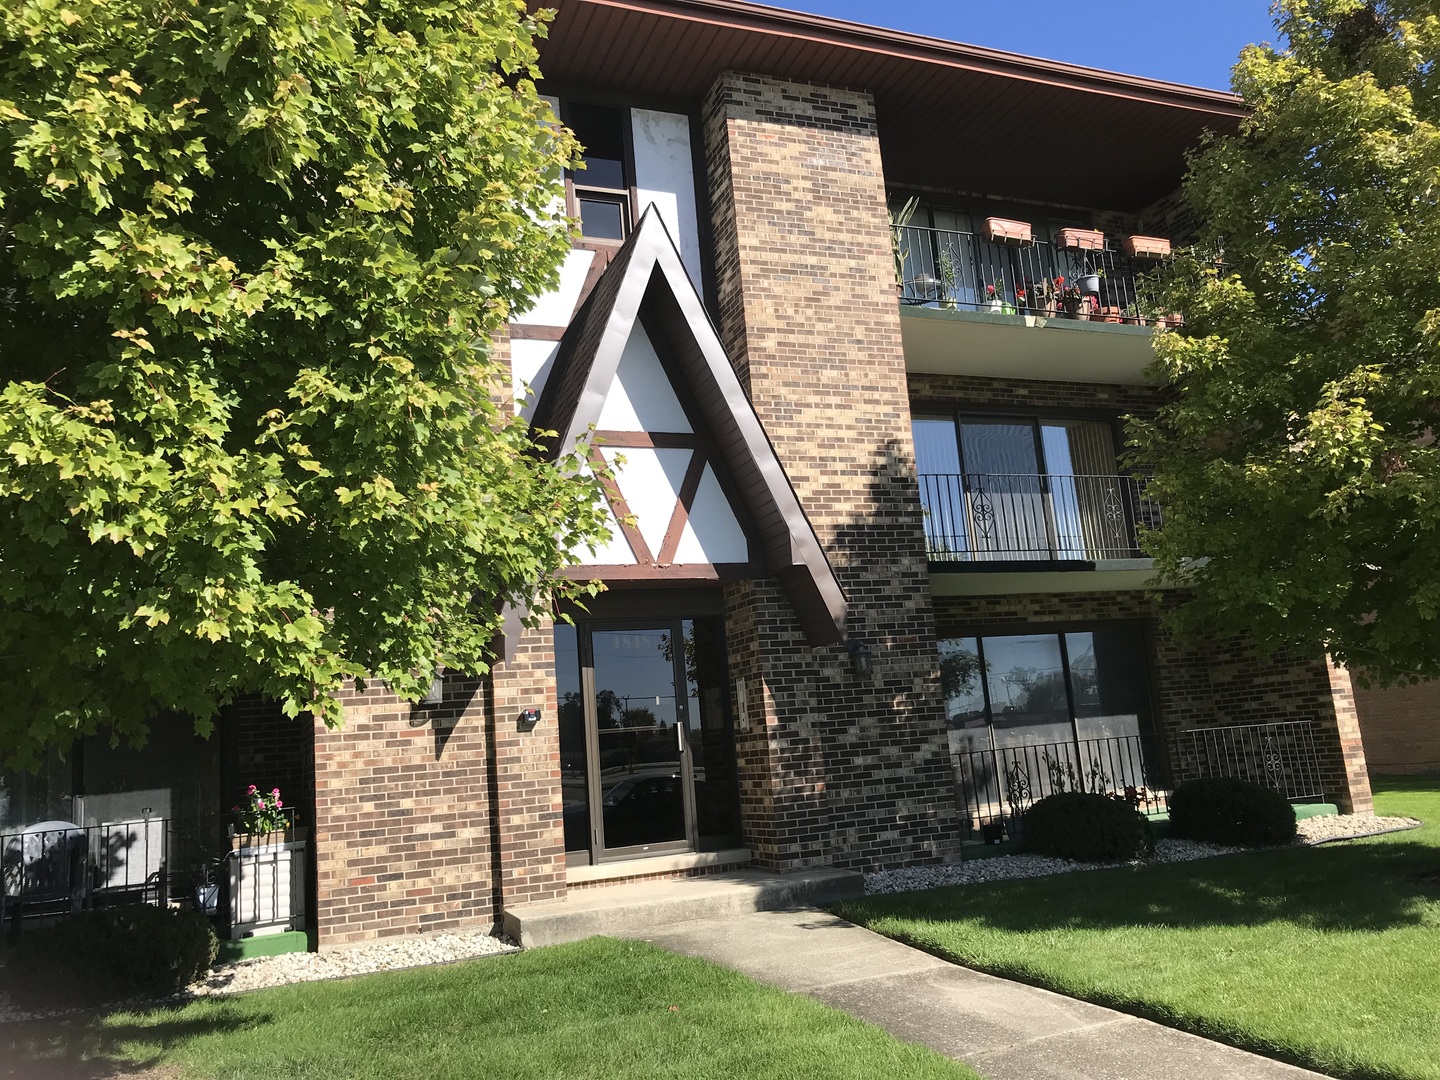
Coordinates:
1005 1030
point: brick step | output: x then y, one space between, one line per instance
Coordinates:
627 910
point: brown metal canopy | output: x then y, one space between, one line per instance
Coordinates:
952 117
646 284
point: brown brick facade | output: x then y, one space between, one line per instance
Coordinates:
1401 728
833 768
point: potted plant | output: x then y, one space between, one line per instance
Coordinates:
267 867
1038 297
1147 247
948 273
1075 303
992 298
899 220
1080 240
1005 231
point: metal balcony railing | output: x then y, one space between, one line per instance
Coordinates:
997 517
942 268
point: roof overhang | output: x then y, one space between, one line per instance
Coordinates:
952 116
646 283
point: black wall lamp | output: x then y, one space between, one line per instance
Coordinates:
860 656
528 719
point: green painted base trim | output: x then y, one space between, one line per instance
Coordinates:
1314 809
232 952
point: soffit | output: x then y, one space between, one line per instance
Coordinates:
951 116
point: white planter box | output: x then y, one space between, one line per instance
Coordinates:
267 888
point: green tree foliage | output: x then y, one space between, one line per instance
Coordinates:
1298 461
252 256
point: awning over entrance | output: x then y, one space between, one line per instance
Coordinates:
644 309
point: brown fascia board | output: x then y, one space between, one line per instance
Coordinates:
824 31
647 283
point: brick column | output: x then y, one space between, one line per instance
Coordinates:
528 821
835 768
1353 782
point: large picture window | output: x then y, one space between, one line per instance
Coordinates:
602 188
1034 712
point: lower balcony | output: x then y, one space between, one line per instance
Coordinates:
1002 532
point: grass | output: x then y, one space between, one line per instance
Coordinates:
1327 957
598 1009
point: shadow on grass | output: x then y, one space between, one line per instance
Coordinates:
85 1047
1370 887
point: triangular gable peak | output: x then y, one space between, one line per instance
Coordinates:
698 492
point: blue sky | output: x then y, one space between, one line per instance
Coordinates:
1192 43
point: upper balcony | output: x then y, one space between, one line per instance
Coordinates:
1002 304
996 532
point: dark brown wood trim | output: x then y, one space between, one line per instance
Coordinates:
648 440
621 509
537 332
598 263
676 529
667 574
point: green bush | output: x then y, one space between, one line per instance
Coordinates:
1088 828
1236 813
109 954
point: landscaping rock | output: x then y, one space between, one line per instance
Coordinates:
1316 830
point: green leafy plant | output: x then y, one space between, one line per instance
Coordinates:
260 813
109 954
254 427
900 220
1232 812
1087 827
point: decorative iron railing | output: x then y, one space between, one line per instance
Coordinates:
59 868
1001 782
997 517
943 268
1280 756
996 784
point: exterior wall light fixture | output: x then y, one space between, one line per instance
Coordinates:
860 656
528 719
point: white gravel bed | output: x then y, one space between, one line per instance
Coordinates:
1315 830
1321 830
266 971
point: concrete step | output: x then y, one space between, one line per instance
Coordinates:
630 910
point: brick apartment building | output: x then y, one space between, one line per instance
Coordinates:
873 576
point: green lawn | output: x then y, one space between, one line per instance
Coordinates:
1328 957
599 1009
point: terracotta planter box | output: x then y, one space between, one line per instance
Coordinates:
999 230
1147 247
1080 240
1110 314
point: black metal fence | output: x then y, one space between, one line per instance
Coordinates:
943 268
1002 782
1280 756
58 868
996 785
1004 516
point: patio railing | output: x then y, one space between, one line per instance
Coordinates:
995 785
1024 516
1002 782
1280 756
943 268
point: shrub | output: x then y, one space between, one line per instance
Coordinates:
1087 827
109 954
1232 812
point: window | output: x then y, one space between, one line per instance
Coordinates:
1048 711
1000 489
602 188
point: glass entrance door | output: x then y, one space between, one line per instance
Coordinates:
647 754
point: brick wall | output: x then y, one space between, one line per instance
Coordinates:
402 833
834 768
1198 683
1401 727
